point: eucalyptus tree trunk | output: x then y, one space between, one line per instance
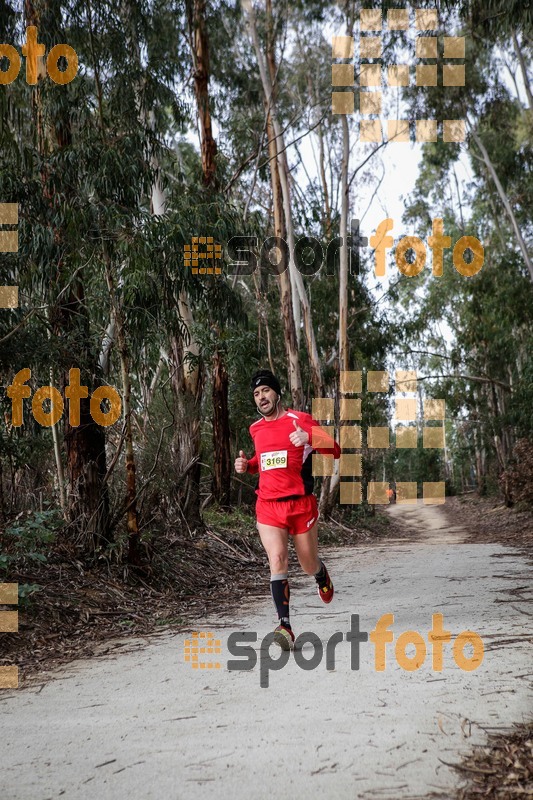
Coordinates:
344 355
331 486
261 307
196 11
87 501
132 521
221 431
285 288
480 455
523 69
57 448
274 146
501 436
288 296
200 53
505 201
312 350
322 169
187 383
314 101
116 333
268 90
184 366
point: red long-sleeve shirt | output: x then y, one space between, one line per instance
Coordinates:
284 469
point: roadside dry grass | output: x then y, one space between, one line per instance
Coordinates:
502 769
78 607
489 520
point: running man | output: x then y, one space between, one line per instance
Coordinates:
285 500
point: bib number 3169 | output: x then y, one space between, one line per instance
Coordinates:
277 459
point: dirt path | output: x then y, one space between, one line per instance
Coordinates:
144 724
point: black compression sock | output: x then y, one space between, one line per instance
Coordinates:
281 593
321 574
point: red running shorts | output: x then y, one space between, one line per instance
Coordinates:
298 516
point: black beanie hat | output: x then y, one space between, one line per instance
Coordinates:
264 377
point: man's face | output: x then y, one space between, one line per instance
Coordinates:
265 399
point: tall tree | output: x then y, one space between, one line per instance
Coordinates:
88 502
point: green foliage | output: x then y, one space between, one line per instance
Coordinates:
30 534
483 365
28 541
238 519
83 161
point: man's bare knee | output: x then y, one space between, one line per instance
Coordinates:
279 563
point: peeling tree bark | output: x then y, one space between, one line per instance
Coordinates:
200 53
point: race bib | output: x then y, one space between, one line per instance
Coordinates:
277 459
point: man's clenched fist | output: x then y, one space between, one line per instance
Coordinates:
241 463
